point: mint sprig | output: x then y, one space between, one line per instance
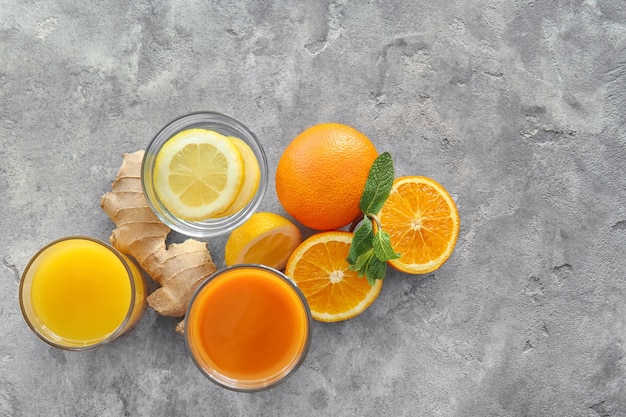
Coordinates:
370 249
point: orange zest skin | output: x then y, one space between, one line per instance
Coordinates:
321 174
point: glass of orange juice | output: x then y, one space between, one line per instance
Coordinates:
79 293
248 327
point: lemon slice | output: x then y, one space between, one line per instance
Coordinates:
265 238
252 177
198 174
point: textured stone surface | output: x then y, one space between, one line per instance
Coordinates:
516 107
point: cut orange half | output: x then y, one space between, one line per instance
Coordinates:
423 222
320 269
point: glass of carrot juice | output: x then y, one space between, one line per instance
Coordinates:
79 293
248 327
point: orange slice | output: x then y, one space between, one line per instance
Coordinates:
319 267
423 222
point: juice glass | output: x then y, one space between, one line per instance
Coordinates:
226 126
79 293
248 327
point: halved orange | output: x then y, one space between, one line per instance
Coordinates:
423 222
320 269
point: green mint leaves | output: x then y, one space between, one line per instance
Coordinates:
370 250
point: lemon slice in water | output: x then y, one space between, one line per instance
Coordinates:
252 177
198 174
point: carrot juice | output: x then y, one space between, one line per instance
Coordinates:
77 293
248 327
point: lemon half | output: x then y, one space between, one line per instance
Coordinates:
265 238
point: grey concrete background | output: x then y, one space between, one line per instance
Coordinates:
516 107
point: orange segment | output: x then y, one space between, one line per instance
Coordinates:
423 222
319 267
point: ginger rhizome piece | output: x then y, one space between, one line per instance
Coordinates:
178 268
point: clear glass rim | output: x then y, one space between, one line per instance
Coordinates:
116 333
256 384
209 120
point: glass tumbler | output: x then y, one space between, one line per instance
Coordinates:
248 327
78 293
226 126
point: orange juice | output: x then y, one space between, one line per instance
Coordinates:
248 327
78 292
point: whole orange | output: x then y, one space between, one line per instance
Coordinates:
321 174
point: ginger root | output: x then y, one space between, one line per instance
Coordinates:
179 268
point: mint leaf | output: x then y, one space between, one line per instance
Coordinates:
375 269
378 184
370 250
368 265
360 266
362 240
382 247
